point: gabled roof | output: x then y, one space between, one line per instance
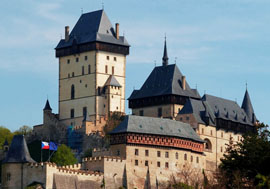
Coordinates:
213 107
18 151
164 80
248 108
156 126
91 27
112 81
47 106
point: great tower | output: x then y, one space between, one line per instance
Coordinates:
92 68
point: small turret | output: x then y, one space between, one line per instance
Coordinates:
47 112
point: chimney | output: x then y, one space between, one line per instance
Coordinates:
66 33
184 82
117 30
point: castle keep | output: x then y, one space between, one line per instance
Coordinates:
172 132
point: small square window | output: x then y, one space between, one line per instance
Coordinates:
187 118
167 165
141 113
158 153
77 59
146 153
85 58
73 74
114 58
146 163
136 152
68 61
136 162
108 58
158 164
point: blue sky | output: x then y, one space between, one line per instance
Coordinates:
218 45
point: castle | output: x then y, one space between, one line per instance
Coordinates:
172 132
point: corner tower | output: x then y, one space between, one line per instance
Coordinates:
88 57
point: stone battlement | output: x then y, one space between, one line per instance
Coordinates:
105 158
42 164
79 172
74 166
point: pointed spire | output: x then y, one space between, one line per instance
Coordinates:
165 58
6 142
248 108
47 106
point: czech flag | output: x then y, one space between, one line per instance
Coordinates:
45 146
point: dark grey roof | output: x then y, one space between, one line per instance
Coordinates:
112 81
226 109
248 108
194 107
164 80
213 107
91 27
18 151
47 106
156 126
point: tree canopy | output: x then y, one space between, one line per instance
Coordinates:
247 162
63 156
23 130
5 133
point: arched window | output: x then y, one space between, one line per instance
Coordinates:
208 145
72 92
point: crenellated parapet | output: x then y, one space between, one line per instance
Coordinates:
79 172
103 158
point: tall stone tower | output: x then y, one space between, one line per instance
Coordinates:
92 66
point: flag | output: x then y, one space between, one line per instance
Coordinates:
53 146
45 146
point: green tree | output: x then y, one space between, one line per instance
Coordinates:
5 133
245 160
63 156
23 130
